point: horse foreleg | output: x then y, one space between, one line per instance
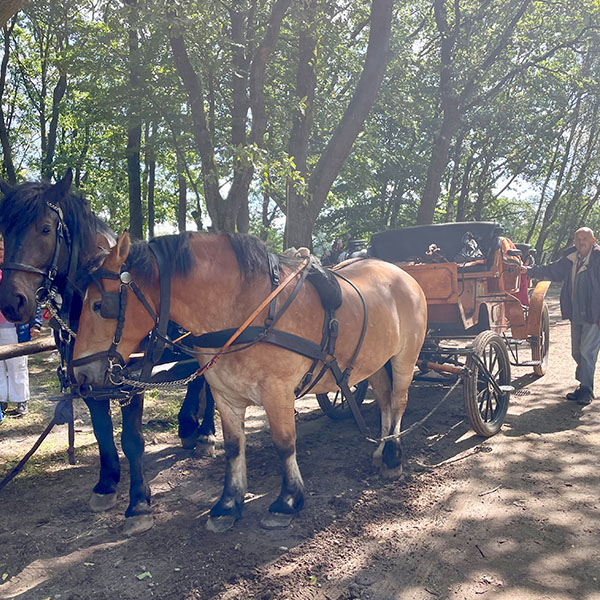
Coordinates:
104 495
291 498
138 514
228 509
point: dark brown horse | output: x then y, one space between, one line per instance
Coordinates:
218 281
47 227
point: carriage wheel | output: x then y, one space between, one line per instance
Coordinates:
335 406
485 406
541 346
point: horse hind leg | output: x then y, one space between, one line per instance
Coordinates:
392 397
291 497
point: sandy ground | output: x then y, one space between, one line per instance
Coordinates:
514 516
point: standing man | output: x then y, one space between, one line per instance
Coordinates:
579 271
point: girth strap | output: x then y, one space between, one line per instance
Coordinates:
256 333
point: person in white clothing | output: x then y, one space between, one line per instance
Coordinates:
14 372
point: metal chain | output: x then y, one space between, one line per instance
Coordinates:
52 310
158 385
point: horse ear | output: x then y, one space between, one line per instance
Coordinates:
5 187
122 247
61 188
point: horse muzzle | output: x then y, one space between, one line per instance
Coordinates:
91 371
16 307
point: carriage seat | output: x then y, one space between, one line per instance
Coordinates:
412 243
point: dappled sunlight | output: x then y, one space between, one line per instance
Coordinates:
41 570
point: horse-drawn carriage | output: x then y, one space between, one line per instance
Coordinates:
478 316
201 281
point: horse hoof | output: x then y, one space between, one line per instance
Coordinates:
206 445
391 473
102 502
276 520
377 461
220 524
189 443
138 524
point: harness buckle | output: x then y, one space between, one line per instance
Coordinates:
115 371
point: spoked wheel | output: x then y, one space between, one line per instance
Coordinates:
485 406
335 406
541 346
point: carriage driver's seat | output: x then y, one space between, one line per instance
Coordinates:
412 243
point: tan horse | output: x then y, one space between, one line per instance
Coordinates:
217 282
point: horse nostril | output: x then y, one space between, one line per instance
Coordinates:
21 301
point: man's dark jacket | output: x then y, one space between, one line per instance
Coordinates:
561 270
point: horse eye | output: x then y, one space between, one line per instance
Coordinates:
46 229
96 306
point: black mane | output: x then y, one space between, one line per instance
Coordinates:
174 248
251 254
26 204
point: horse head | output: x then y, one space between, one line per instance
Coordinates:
113 318
42 223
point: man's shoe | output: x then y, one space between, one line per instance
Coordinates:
585 397
22 409
574 394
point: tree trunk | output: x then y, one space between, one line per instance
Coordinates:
299 232
225 213
8 8
439 161
134 131
549 212
182 202
151 178
302 122
461 203
454 179
57 96
7 160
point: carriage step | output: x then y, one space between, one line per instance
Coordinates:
529 363
506 388
514 342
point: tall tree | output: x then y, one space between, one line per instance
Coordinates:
134 128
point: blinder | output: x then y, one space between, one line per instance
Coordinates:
110 305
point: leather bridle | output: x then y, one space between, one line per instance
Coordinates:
113 306
63 238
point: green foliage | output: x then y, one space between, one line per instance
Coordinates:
529 119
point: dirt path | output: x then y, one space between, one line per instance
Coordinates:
515 516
